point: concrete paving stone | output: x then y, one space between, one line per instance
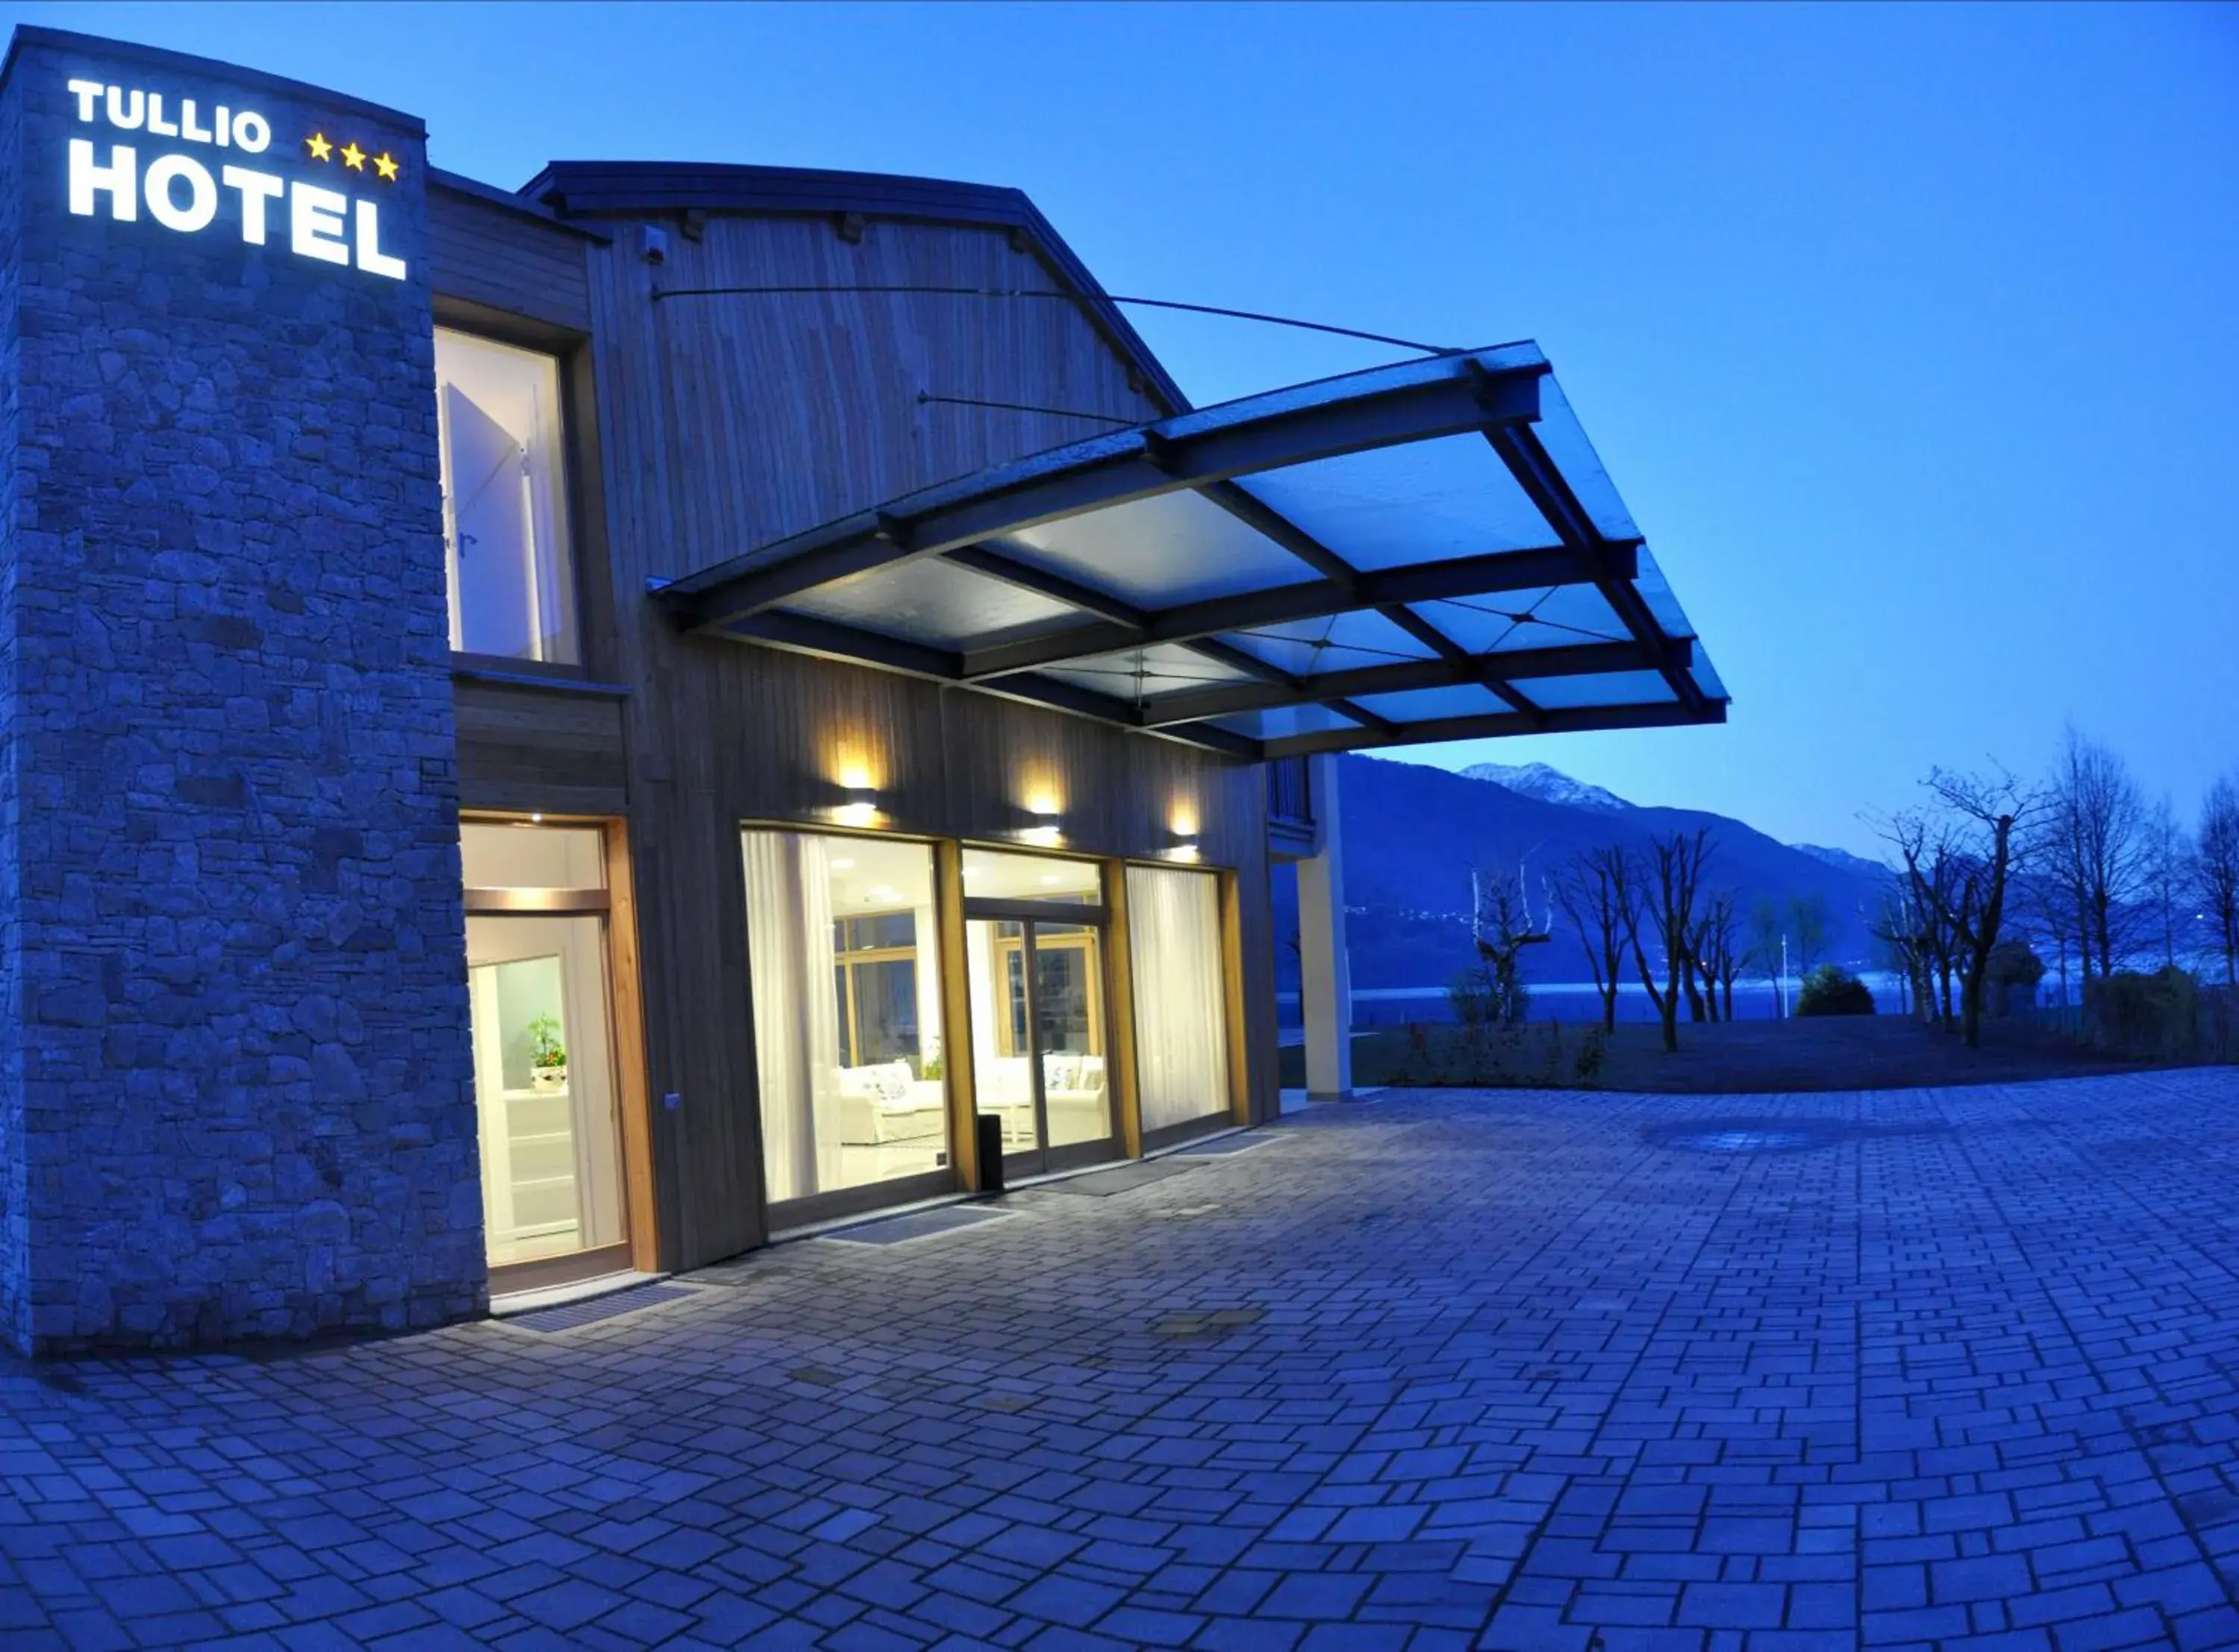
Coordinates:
1467 1368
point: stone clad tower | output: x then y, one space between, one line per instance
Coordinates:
235 1094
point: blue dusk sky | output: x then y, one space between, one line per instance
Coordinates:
1910 334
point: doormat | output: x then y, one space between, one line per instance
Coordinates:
1103 1183
918 1224
569 1315
1243 1144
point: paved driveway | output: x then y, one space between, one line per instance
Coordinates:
1951 1368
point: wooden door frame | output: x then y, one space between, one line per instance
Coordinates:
640 1248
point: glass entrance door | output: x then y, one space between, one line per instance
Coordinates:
551 1141
547 1096
1040 1064
1068 1021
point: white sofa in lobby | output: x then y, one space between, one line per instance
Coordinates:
1073 1087
888 1102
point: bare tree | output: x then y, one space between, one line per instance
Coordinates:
1931 857
1669 878
1807 918
2164 874
1993 815
1898 931
2041 903
1763 949
1502 925
2215 868
1592 892
2095 849
1718 952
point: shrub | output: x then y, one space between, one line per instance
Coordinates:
2009 981
2219 1023
1471 995
2148 1018
1832 990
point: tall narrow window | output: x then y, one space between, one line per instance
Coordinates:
505 515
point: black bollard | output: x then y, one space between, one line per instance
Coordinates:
990 1139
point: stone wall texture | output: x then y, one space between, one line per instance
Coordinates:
235 1095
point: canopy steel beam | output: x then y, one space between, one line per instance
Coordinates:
1495 725
1194 450
1465 576
1103 604
1582 659
1543 482
1447 649
826 639
982 559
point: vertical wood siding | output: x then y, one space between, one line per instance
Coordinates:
507 260
724 423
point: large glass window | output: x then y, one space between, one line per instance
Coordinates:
505 515
997 875
844 962
1181 1034
545 1101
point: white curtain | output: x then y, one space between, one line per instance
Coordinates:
928 929
796 1010
1181 1033
986 1005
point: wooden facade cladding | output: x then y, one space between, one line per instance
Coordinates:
509 258
805 407
534 749
714 425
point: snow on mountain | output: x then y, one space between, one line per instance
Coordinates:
1844 859
1548 784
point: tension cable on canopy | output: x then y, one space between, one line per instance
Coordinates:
660 292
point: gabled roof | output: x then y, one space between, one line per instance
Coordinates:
1429 551
654 188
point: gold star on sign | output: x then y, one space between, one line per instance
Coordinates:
319 147
385 164
353 157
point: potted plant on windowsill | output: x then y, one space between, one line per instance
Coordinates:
548 1056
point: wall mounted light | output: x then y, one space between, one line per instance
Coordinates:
1182 826
857 778
1045 833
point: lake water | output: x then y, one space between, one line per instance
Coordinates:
1567 1001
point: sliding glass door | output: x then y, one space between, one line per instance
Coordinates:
1034 942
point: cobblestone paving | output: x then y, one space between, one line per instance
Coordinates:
1947 1369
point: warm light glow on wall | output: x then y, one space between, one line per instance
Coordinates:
852 774
1045 800
857 772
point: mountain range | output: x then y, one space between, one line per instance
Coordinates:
1413 835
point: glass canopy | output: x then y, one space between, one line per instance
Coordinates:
1426 550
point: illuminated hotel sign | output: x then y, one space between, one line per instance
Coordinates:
183 191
